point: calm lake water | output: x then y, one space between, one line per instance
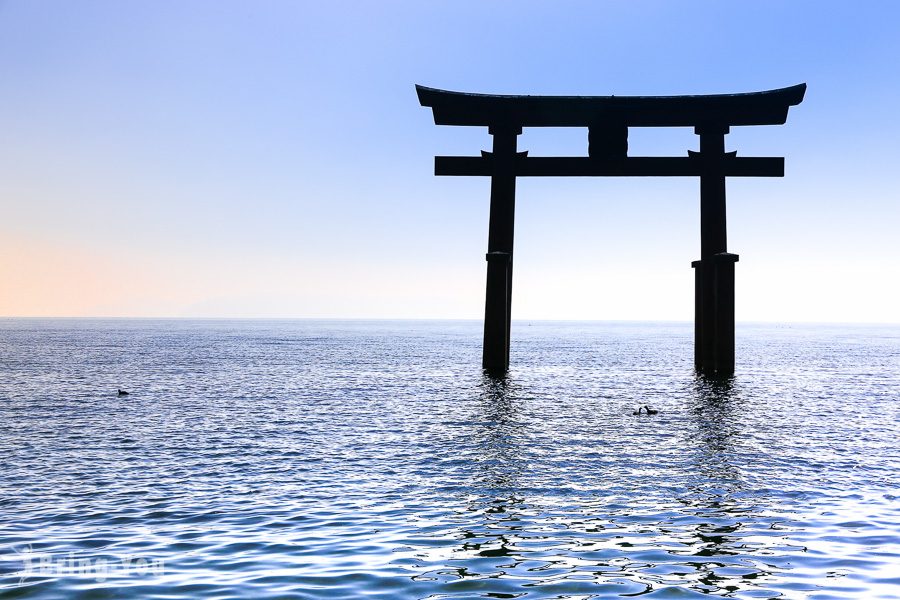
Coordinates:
317 459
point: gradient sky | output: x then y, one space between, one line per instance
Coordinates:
270 159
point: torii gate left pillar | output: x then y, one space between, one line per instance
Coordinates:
498 293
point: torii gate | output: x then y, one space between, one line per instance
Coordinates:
607 119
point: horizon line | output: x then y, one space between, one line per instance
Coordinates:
448 319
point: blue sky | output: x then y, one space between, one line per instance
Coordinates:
270 159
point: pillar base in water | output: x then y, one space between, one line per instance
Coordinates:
495 357
714 314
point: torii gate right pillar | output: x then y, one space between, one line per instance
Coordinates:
714 272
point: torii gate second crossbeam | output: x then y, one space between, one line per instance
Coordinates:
607 119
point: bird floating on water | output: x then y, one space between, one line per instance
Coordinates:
650 411
638 411
122 392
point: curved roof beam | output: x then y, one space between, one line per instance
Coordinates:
768 107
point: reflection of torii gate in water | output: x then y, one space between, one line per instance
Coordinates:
608 119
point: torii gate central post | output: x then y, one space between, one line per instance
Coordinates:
607 119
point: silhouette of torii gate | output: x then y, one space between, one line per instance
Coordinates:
607 119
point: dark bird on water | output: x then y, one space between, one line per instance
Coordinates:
650 411
122 393
638 411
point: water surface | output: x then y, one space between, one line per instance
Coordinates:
317 459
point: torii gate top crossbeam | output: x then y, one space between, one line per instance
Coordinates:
608 119
756 108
